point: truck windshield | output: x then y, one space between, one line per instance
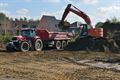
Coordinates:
28 33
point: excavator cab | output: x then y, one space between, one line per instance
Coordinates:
81 30
84 30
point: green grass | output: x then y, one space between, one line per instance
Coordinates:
5 38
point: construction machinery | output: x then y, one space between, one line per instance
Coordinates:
35 39
26 40
86 29
86 33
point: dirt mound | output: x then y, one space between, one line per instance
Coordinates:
80 44
90 44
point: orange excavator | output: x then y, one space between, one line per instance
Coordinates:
87 28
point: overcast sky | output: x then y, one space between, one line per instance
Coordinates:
98 10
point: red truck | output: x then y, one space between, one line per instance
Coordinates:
31 39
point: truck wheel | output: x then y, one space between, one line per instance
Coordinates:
10 47
58 45
67 42
24 47
64 43
38 45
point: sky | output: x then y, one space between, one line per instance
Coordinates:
97 10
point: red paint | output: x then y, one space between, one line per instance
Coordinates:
45 35
96 32
21 38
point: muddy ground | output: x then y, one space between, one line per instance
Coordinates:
54 65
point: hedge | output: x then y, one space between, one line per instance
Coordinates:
5 38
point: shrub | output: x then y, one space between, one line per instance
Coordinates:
5 38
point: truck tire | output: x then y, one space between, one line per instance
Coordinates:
58 45
38 45
24 47
64 43
10 47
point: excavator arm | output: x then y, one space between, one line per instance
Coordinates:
94 32
71 8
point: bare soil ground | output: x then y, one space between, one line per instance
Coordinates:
53 65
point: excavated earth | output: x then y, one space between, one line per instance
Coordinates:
58 65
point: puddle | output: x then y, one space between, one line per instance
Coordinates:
108 60
7 77
101 64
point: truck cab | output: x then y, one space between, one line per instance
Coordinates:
27 32
25 41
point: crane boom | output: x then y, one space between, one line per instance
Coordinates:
77 12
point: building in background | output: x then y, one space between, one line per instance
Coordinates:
5 25
10 26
